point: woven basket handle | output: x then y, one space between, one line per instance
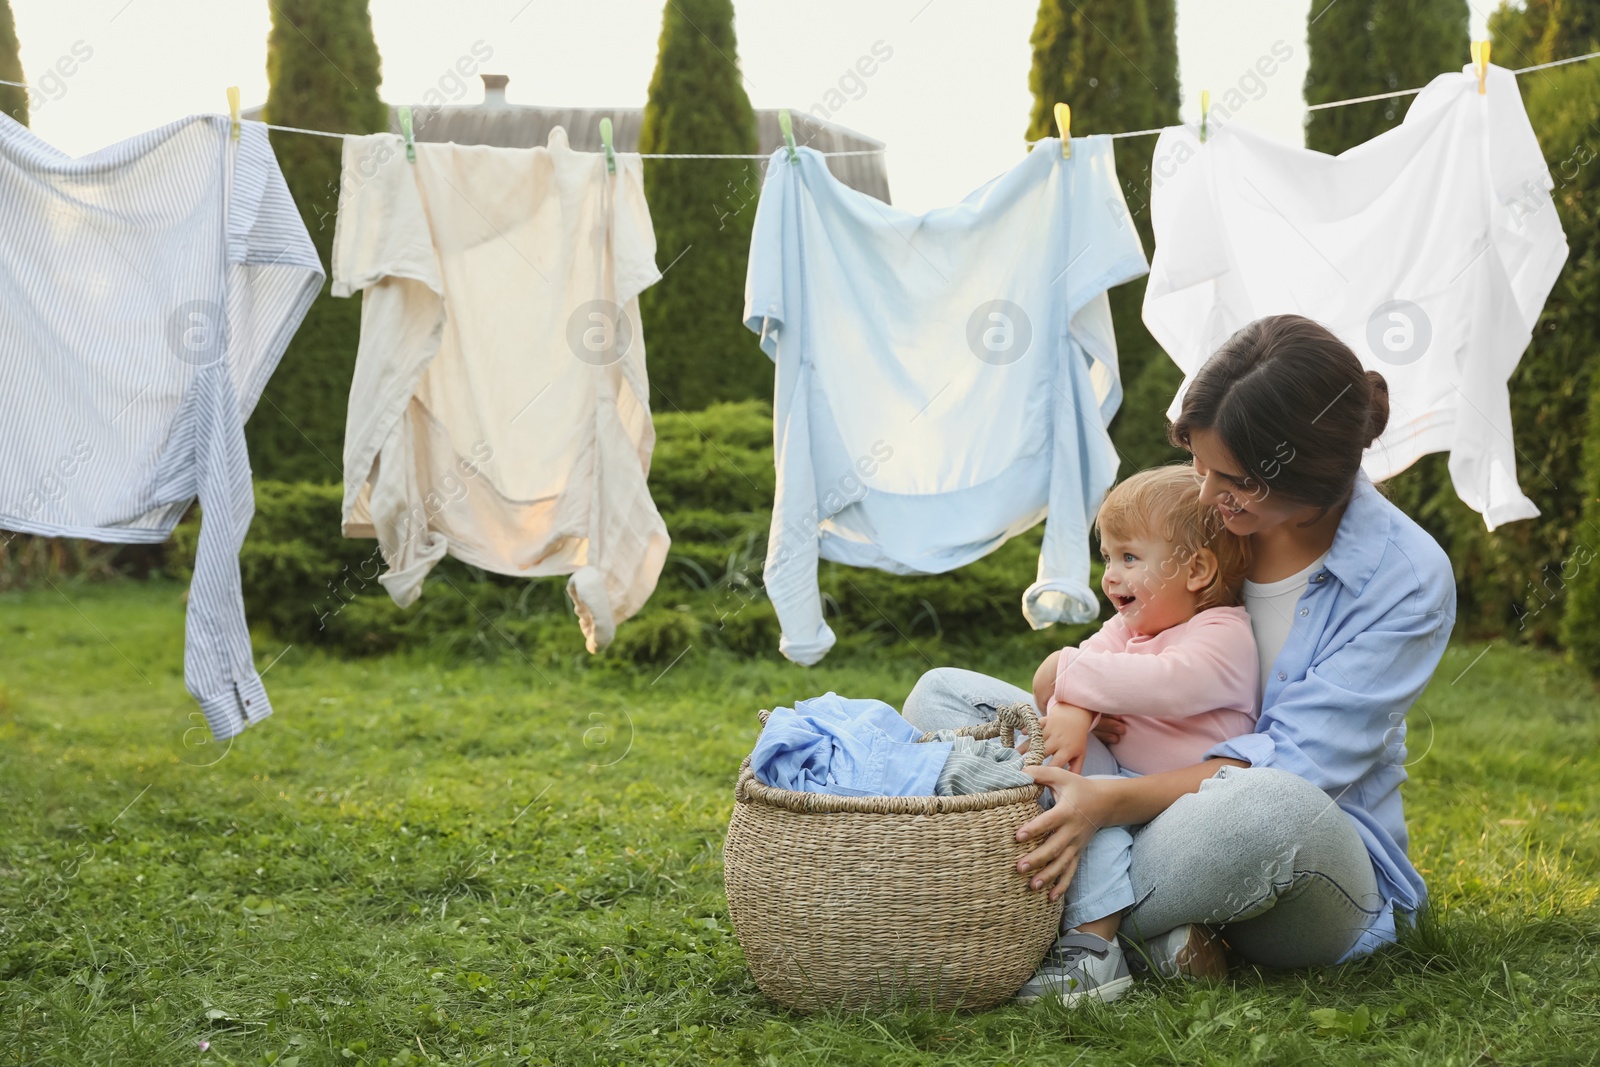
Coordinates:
1009 718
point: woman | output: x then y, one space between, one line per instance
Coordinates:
1291 837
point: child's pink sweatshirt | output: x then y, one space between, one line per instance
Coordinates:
1182 690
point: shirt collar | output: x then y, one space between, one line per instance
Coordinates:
1362 537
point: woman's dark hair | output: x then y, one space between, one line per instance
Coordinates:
1293 404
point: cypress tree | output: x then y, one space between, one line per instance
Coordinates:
1115 63
698 348
1542 31
13 100
323 74
1365 47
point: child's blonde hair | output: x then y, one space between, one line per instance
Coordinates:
1164 502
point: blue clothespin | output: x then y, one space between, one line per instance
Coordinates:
405 131
786 124
605 139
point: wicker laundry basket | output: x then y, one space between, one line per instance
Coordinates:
864 902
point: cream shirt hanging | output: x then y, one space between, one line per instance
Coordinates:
499 409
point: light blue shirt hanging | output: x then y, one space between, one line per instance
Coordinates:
944 380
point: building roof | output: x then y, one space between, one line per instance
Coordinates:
505 125
523 126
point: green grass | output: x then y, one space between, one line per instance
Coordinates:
497 861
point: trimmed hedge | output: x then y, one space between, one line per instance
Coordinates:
1580 627
713 480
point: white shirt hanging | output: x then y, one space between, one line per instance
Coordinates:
499 410
1429 250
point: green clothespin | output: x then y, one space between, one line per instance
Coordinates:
1205 110
406 132
605 139
786 124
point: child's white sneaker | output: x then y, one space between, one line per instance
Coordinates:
1080 966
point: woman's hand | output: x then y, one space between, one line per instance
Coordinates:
1079 811
1110 729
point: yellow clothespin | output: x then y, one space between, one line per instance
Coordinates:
1480 58
1205 110
605 141
233 109
1064 125
786 124
408 133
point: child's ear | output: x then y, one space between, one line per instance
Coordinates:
1202 570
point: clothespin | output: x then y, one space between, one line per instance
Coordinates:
408 134
1205 111
605 139
1480 58
233 109
786 124
1064 126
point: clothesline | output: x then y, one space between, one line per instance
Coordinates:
879 151
1413 92
1384 96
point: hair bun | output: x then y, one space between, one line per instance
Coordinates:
1378 412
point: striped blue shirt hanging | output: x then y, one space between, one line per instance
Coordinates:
147 292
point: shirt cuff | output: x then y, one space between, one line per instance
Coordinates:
240 705
809 652
1058 600
1379 932
1255 749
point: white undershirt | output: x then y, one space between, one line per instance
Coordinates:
1272 611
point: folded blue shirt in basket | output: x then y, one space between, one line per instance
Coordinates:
853 748
863 748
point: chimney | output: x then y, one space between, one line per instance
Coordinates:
494 89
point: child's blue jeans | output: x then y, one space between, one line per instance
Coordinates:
1101 885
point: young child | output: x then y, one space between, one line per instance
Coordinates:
1177 661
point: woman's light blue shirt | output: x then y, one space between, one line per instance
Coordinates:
1368 632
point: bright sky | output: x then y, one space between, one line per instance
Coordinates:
951 102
